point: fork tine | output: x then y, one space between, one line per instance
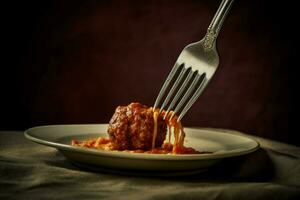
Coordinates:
194 97
186 95
180 91
166 85
174 87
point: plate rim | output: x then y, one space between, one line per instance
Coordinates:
119 154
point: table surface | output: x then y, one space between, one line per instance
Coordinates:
33 171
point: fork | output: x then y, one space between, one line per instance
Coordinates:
193 70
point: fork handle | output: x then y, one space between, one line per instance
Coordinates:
216 23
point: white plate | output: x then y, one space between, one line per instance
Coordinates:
224 144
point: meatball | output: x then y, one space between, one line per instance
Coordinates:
131 128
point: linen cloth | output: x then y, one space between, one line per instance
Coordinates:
33 171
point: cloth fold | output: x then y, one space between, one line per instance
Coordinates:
33 171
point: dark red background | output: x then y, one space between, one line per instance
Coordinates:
75 61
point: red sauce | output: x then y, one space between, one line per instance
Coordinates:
106 144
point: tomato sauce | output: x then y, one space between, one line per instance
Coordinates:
103 143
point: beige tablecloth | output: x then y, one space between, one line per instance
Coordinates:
33 171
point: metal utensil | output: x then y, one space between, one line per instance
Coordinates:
193 69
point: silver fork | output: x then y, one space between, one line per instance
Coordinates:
193 69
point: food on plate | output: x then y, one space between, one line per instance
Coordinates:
140 129
135 127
